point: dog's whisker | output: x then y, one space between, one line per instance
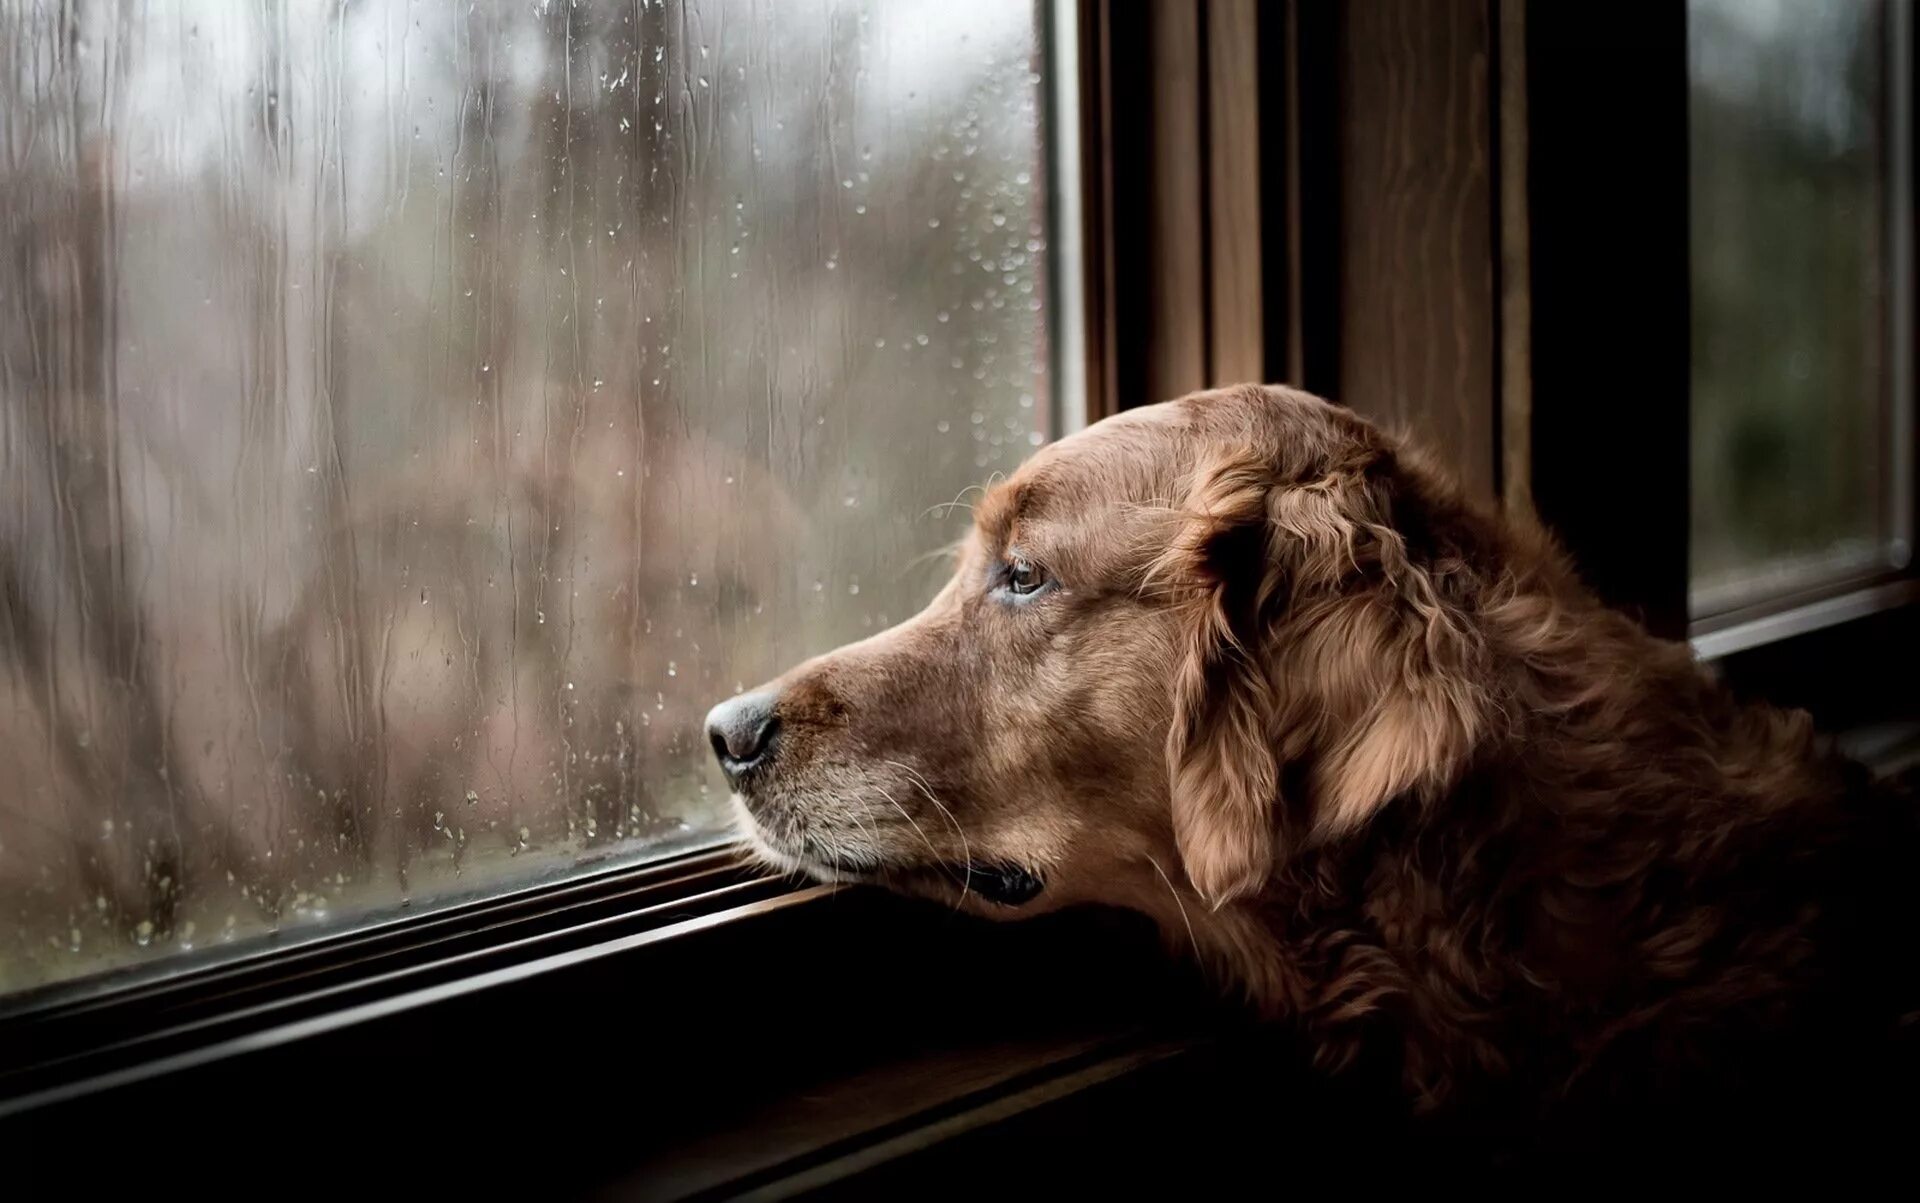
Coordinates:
894 802
947 507
1177 903
966 847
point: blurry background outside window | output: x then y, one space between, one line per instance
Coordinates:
1801 462
413 416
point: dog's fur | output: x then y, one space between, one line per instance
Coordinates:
1375 754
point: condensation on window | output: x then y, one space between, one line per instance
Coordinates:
414 416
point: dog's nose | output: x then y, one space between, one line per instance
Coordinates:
741 730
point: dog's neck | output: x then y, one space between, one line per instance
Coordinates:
1581 773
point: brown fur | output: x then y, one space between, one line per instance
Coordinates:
1431 799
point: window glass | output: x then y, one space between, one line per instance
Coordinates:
414 416
1797 479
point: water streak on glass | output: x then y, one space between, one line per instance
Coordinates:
413 416
1794 470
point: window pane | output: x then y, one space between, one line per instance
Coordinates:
415 416
1794 471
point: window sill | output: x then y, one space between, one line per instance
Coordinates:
682 1044
1714 640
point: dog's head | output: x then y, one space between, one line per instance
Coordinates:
1177 647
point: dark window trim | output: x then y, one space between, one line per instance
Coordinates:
1609 302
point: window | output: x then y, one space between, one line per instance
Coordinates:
415 416
1800 186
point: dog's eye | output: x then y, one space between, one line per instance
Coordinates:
1024 579
1020 580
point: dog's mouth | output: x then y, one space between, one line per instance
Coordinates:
1001 883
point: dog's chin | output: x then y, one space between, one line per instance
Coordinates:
803 861
1003 886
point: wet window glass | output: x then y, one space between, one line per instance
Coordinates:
414 416
1799 475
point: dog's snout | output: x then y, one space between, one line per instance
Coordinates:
741 730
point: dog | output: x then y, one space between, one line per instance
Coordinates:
1247 663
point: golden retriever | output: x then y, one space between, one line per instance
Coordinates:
1248 664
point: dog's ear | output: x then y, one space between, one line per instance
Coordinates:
1313 636
1220 749
1382 669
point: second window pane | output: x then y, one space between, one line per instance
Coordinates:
1794 469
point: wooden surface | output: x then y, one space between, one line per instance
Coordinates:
1418 315
1516 264
1174 176
1236 327
1177 308
1093 39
